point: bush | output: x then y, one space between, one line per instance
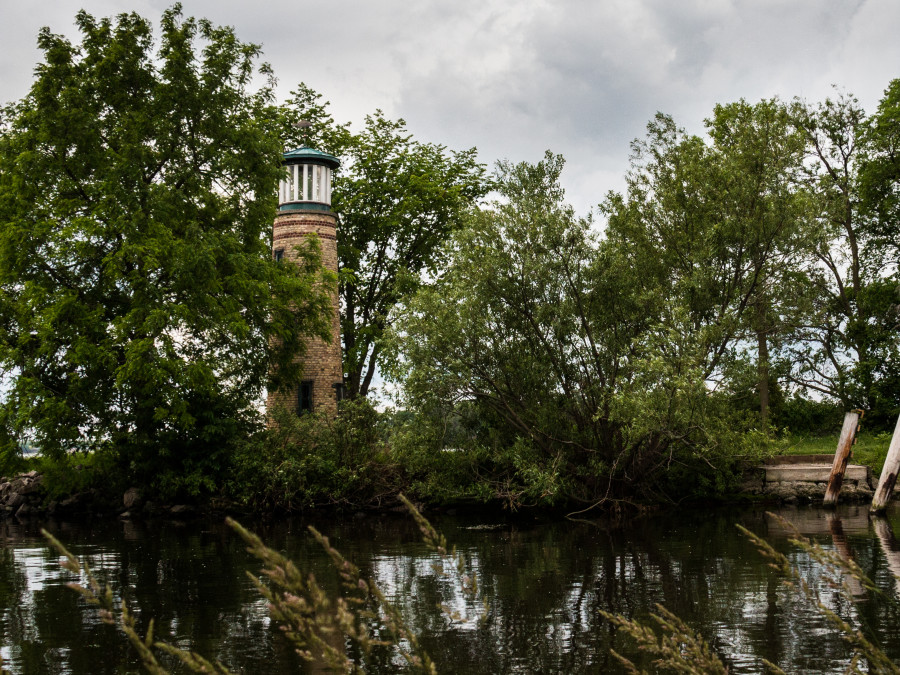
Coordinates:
801 415
311 459
78 472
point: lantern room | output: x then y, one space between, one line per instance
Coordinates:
306 184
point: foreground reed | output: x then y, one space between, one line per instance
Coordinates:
362 621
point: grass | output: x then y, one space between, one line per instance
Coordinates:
870 448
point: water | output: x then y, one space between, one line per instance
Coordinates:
546 578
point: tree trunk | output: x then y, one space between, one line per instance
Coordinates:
763 377
762 363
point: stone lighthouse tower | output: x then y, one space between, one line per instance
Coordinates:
304 210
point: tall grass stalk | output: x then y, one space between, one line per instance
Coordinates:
320 625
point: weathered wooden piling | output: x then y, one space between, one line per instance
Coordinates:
888 474
842 456
842 546
890 547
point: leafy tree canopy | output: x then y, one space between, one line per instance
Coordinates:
137 190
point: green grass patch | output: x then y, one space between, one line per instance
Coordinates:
870 448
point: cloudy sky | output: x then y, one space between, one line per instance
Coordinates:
516 77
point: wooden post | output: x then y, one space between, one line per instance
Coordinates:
889 547
888 474
841 457
842 546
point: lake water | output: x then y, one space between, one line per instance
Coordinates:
546 580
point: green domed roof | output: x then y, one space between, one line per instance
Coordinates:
311 156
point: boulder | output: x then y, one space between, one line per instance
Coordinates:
15 499
73 502
26 510
133 499
33 484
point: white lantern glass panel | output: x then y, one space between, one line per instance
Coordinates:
287 185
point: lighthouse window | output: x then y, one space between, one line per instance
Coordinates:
288 190
305 396
279 254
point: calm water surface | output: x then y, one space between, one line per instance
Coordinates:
546 580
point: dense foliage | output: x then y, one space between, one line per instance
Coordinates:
583 379
738 275
744 282
137 295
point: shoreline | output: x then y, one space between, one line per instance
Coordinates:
782 481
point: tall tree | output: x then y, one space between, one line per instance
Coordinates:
880 204
880 179
398 200
715 224
759 153
138 300
850 339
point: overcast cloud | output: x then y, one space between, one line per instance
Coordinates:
516 77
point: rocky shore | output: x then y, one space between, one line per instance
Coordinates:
24 496
785 480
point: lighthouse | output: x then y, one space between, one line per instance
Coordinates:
304 210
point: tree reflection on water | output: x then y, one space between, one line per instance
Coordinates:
546 580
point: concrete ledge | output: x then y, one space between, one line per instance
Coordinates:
813 473
792 483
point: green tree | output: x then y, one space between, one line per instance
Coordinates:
880 179
560 344
759 151
716 224
139 306
397 200
880 204
850 341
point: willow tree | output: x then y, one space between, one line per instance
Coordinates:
717 223
137 295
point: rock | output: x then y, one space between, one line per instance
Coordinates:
32 485
149 507
73 502
181 510
15 499
125 515
25 510
133 499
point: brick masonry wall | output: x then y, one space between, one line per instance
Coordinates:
322 362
